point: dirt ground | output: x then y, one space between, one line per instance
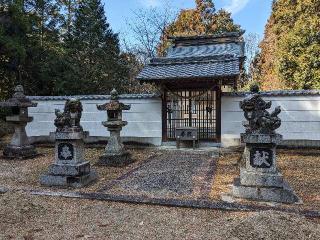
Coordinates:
26 173
23 216
34 217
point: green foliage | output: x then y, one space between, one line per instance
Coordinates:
203 20
58 47
295 42
99 65
13 50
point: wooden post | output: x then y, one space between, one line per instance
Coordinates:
164 116
218 118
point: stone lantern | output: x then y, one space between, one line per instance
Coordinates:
115 154
69 169
19 146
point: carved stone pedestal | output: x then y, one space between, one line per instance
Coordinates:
70 169
259 178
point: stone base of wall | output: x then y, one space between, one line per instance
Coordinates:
102 140
292 143
145 141
300 143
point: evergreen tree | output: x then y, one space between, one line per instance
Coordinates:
14 27
29 43
95 51
68 8
290 49
45 48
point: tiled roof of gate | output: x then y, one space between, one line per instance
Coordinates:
206 50
189 68
198 57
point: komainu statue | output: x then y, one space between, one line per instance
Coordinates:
260 178
260 121
69 119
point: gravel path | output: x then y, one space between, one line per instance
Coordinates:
171 174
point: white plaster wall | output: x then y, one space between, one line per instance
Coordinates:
144 119
300 118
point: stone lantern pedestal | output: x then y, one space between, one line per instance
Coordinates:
19 147
70 169
115 154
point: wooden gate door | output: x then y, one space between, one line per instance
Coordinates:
192 108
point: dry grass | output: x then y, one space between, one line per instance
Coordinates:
26 173
227 170
36 217
301 168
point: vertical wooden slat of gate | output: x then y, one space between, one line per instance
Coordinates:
213 114
201 117
209 102
164 117
190 109
173 117
209 116
212 123
193 109
169 126
173 121
183 101
218 118
185 108
203 100
181 110
197 110
206 115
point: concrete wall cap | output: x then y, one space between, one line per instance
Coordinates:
93 97
276 93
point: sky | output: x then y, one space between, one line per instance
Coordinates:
252 15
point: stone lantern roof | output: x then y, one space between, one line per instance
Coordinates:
18 99
114 104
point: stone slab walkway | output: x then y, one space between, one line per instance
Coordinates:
171 174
